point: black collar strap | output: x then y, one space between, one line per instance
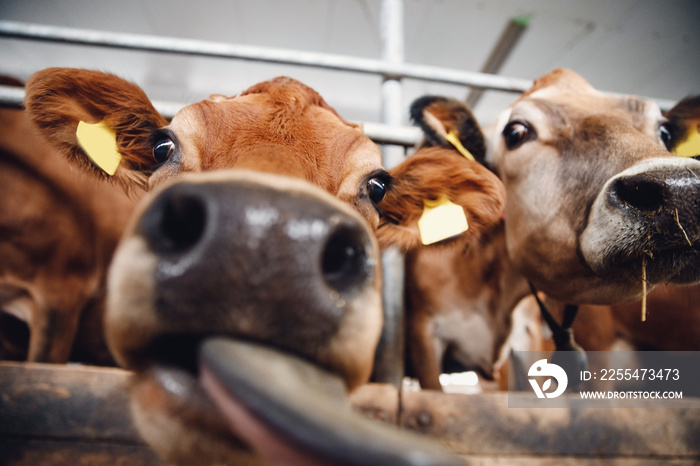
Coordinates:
562 334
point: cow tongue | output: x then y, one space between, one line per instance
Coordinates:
292 412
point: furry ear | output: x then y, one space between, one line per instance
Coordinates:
684 127
435 173
58 99
10 81
439 117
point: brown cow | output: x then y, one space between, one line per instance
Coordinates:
672 322
279 252
593 192
684 127
66 286
672 317
58 230
457 294
593 196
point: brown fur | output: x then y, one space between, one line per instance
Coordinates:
432 173
561 78
673 322
580 140
683 117
439 116
280 113
58 231
288 92
672 310
556 214
90 96
477 289
56 100
280 127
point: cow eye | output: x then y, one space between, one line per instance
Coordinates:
163 149
665 136
376 189
516 133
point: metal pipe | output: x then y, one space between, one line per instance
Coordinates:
11 96
389 360
504 47
13 29
392 53
407 136
380 133
40 32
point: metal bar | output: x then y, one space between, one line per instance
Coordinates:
380 133
392 53
11 96
407 136
19 30
389 360
504 47
13 29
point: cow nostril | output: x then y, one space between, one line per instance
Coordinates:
642 194
178 224
344 261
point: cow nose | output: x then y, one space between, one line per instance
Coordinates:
177 221
184 218
275 260
662 194
344 257
642 192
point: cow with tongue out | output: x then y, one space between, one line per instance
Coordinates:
245 293
261 297
259 301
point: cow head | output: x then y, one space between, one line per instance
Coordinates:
278 252
454 319
684 127
564 152
594 196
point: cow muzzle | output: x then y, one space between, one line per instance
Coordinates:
258 256
229 283
648 215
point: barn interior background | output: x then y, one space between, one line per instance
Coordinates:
406 49
642 47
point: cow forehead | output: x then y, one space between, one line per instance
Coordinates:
215 130
257 114
588 101
552 109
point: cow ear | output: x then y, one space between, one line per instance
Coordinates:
684 127
450 124
98 121
435 176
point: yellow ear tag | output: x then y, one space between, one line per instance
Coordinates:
454 140
100 144
690 147
441 219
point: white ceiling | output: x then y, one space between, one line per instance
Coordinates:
644 47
